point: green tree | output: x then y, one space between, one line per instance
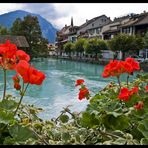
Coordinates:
4 31
126 43
146 40
94 46
68 48
30 28
90 46
78 47
16 27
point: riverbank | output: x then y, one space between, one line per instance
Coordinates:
144 65
84 60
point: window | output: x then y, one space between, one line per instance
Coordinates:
126 30
91 32
98 30
93 25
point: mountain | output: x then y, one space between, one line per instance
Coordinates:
48 31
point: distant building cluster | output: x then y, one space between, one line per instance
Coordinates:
104 28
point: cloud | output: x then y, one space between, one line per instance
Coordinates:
60 14
7 7
54 13
83 11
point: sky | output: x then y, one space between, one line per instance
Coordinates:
59 14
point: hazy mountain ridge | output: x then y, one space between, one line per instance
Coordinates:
48 31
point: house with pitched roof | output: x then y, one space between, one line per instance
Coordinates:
93 27
67 33
113 28
19 41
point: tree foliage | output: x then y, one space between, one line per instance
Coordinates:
79 45
94 46
69 47
4 31
146 40
125 43
30 28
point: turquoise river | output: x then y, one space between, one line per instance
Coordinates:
58 90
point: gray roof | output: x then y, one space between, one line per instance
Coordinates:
20 41
91 20
130 23
142 21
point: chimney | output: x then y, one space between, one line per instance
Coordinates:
86 20
65 25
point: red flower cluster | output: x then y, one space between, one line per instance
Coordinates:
11 58
125 93
79 82
84 92
116 68
9 55
29 73
131 65
139 105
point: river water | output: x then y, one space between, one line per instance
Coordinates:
58 90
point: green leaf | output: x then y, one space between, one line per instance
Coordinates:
115 114
115 123
5 116
66 136
118 133
120 141
9 141
144 141
143 127
8 104
64 118
89 120
21 133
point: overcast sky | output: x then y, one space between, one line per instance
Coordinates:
60 14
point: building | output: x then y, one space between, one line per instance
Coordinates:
93 27
20 41
113 28
137 24
52 49
67 33
102 27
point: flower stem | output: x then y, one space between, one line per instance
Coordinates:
22 95
4 92
127 79
118 78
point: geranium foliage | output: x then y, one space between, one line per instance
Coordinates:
117 114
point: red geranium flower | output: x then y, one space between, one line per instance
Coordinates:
8 50
35 76
29 73
79 82
139 105
114 68
84 92
16 79
132 65
134 90
17 86
22 69
21 55
124 94
8 57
